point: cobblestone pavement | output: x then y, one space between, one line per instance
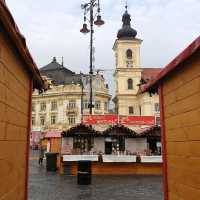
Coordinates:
51 186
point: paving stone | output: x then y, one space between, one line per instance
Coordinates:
51 186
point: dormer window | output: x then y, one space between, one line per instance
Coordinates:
129 54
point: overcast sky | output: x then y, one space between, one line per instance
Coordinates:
52 29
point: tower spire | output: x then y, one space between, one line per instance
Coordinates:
126 31
126 6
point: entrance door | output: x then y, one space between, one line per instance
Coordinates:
108 147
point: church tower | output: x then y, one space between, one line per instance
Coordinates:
127 68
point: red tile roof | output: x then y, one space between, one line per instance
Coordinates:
8 23
174 64
150 73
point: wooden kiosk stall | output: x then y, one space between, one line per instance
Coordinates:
52 139
18 77
113 151
179 88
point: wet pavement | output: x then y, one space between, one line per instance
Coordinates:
51 186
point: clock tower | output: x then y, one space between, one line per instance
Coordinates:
127 68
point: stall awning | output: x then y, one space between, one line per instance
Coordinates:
53 134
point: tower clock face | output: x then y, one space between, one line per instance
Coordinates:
129 63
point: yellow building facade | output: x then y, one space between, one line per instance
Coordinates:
59 108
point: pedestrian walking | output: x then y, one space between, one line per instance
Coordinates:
41 155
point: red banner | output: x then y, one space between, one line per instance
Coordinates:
138 120
100 119
113 119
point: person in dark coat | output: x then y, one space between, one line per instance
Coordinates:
41 155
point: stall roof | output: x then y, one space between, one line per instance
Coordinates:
9 25
173 65
119 130
80 129
149 131
141 132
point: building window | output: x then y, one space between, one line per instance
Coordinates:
72 104
158 121
85 104
97 105
140 110
53 119
33 121
157 107
130 84
33 107
72 120
53 105
42 106
129 54
105 106
116 57
131 110
42 120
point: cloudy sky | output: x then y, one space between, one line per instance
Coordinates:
52 29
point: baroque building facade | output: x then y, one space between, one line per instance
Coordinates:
130 76
64 104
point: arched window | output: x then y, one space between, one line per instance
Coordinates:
129 54
130 84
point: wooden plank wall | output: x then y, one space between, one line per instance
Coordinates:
14 111
121 168
182 121
55 145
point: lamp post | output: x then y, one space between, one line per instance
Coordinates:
89 8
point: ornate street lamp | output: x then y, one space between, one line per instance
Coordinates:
89 8
84 30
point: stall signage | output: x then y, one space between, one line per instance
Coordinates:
100 119
138 120
113 119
